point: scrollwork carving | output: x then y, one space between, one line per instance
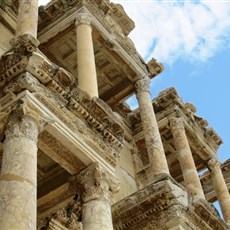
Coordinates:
97 183
213 164
83 18
143 85
176 123
25 41
23 121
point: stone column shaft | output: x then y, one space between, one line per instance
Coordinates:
150 127
98 188
220 188
18 180
185 158
27 21
87 76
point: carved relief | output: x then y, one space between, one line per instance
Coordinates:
83 18
23 121
97 183
143 85
213 164
176 123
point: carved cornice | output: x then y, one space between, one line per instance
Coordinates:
36 74
97 183
26 41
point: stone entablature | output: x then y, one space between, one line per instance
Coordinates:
168 104
108 18
162 202
22 68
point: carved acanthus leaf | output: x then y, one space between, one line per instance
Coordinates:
97 183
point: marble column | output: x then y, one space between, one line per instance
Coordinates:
18 179
27 21
220 188
87 76
150 127
184 155
98 189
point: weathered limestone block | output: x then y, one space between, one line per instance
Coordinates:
185 158
99 187
151 131
87 76
220 188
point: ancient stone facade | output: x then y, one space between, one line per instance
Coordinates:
73 155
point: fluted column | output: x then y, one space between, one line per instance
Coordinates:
220 188
185 158
27 21
87 76
150 127
99 186
18 180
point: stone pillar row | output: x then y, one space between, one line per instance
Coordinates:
152 136
220 187
184 155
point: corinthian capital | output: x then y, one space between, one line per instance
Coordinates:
23 121
97 183
143 85
83 18
176 123
213 164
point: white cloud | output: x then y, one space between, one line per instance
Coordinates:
168 30
43 2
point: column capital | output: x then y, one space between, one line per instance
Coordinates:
23 121
97 183
213 164
83 18
143 85
176 123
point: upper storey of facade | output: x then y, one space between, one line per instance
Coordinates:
118 64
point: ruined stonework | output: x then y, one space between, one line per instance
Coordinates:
73 155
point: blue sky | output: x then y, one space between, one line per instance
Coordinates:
192 40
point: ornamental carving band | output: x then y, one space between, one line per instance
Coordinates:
83 18
143 85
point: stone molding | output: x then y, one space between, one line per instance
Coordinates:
143 85
28 42
97 183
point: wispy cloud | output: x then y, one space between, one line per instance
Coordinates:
168 30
